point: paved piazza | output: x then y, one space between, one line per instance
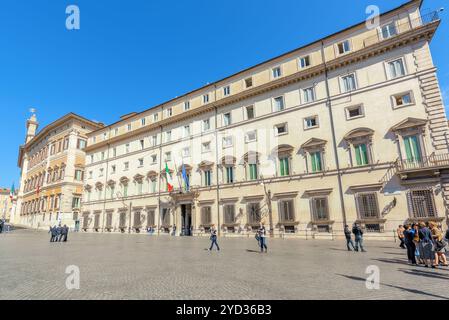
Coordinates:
144 267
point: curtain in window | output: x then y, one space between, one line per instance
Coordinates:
412 149
316 162
361 154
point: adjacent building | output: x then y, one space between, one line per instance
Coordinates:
7 204
52 172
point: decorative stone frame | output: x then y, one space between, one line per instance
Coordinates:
356 137
282 151
315 194
314 145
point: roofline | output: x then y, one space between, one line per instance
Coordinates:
50 126
319 41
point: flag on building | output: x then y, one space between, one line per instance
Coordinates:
12 192
168 178
185 178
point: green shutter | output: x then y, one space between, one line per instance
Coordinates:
316 162
253 172
361 155
281 163
412 148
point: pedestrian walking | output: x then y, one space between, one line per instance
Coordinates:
58 233
425 244
263 238
358 236
349 242
439 245
2 223
64 233
409 234
213 238
53 234
400 232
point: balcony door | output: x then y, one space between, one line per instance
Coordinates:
412 149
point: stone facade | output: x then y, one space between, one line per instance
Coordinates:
52 172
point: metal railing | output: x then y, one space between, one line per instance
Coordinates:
401 28
432 161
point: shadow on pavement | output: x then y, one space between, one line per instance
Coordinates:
415 291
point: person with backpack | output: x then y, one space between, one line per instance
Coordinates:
358 235
348 236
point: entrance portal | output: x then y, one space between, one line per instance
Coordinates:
186 218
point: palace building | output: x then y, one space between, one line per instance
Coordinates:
52 171
350 128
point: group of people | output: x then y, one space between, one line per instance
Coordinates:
261 237
58 233
425 244
358 238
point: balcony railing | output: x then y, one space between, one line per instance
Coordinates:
404 27
429 162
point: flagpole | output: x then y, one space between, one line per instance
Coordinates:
177 175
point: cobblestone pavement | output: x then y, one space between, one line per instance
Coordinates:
116 266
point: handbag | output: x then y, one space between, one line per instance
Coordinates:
440 244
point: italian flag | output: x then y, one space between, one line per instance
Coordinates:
12 192
169 179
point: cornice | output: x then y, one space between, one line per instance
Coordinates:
424 32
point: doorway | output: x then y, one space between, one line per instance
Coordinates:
186 218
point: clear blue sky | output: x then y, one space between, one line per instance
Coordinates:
131 55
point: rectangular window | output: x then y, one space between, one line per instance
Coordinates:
143 121
186 105
81 144
229 213
348 83
354 112
304 62
116 131
153 185
127 148
367 205
396 68
206 124
422 204
205 98
279 104
206 217
207 178
276 72
250 113
286 211
114 152
229 174
169 112
315 158
66 143
78 175
251 136
309 94
344 47
153 141
139 188
388 30
206 147
155 117
226 91
320 209
412 148
113 169
126 166
227 142
248 82
140 162
253 172
168 156
402 100
284 166
186 152
168 136
311 122
101 172
281 129
129 127
186 131
227 119
361 154
154 159
142 144
254 215
165 217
